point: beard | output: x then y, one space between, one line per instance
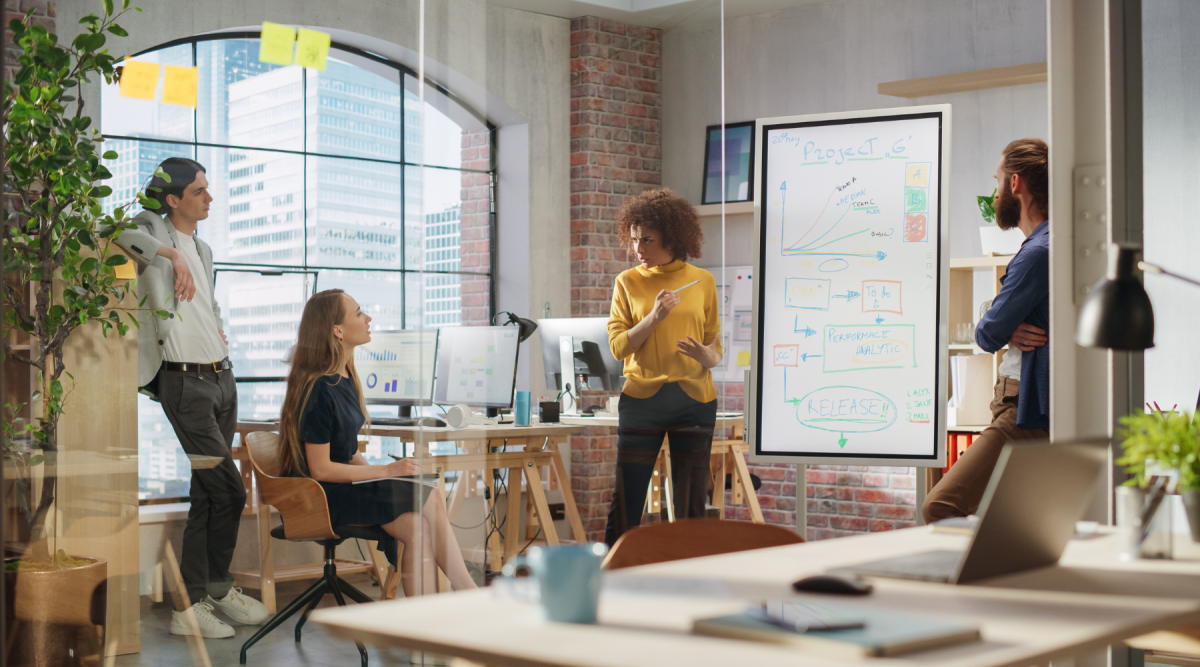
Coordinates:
1007 207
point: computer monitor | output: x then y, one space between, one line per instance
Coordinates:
477 366
398 367
593 356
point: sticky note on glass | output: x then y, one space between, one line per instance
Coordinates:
311 49
179 85
743 357
277 43
139 79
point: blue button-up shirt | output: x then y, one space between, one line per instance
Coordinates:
1024 297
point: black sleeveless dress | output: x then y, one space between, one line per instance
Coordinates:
332 415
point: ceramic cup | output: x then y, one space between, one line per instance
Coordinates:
567 580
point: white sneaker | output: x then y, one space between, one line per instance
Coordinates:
243 609
210 626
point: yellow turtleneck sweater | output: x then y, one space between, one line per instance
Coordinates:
658 360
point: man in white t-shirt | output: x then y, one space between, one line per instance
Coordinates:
183 363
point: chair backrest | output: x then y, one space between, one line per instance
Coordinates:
693 538
300 500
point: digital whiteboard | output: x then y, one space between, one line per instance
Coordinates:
849 359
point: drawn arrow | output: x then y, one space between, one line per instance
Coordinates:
805 357
878 320
880 255
807 330
849 296
842 441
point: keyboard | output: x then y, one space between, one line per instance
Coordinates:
407 421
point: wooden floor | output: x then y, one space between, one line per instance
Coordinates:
162 649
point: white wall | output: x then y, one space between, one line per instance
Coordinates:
830 57
1171 94
509 64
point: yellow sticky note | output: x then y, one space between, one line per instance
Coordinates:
179 85
311 49
276 44
743 357
140 79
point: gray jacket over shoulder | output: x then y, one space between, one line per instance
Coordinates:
156 282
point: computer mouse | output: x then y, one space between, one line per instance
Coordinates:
430 421
828 583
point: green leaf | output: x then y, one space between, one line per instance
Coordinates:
116 260
110 155
108 7
162 174
162 314
36 459
118 30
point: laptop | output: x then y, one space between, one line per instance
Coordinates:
1027 516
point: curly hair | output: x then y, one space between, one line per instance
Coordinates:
667 213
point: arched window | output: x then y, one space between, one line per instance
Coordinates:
320 179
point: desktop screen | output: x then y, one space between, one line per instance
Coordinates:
477 366
397 367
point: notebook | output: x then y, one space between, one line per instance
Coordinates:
884 633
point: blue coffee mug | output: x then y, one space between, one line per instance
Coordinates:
568 580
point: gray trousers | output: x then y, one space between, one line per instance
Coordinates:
202 408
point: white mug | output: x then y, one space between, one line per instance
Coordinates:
613 401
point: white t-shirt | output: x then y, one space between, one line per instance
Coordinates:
195 337
1010 365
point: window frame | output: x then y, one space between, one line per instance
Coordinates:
266 268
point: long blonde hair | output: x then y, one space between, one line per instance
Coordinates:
318 353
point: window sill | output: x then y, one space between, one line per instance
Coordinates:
166 512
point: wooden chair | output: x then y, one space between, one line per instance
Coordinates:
693 538
305 512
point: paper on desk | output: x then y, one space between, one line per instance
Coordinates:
630 584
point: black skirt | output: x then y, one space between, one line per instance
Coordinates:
374 504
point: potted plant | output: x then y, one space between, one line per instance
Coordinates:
1165 440
59 275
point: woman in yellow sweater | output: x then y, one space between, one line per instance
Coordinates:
669 338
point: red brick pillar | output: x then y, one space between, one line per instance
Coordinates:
616 130
474 237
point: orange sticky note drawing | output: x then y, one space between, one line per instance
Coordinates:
277 43
311 49
139 79
179 85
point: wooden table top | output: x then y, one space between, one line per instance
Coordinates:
1028 619
607 419
445 433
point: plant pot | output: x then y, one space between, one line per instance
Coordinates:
1191 500
57 617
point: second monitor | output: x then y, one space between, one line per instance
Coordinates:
477 366
593 356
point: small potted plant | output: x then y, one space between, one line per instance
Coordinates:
1165 440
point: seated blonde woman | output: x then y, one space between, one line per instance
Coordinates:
323 411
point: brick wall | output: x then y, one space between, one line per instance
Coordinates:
474 234
616 116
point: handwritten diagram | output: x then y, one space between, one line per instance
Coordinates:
848 305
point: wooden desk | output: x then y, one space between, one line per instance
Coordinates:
728 457
479 444
1021 627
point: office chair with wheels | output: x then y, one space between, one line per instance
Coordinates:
693 538
302 506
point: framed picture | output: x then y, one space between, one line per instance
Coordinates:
739 163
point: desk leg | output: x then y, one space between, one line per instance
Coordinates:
513 519
533 483
717 476
668 493
560 471
743 472
266 558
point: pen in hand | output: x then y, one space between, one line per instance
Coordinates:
685 286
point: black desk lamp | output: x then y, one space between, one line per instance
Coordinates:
525 329
1117 314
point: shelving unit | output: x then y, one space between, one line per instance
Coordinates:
736 208
959 82
962 303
